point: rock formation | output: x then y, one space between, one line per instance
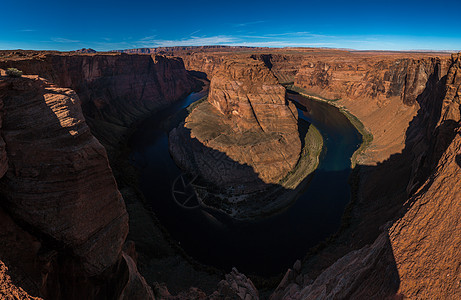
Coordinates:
402 235
59 184
417 255
248 119
246 132
432 222
116 90
373 89
10 291
371 85
129 87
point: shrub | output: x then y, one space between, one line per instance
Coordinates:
13 72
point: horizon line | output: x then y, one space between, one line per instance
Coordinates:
250 47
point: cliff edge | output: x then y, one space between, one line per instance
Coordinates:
59 188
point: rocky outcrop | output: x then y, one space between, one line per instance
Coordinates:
248 119
417 254
235 285
363 274
426 241
382 91
432 223
247 93
59 186
116 90
46 186
10 291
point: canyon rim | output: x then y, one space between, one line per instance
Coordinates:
203 151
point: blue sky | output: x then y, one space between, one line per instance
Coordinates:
109 25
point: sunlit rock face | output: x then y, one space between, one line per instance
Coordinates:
58 179
116 90
417 254
381 90
246 133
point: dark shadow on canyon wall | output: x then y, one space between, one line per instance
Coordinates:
39 263
303 125
199 74
274 244
268 246
393 181
386 187
458 160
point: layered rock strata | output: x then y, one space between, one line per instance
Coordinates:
380 88
65 194
245 136
374 89
417 254
116 90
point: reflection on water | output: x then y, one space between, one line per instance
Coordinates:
264 247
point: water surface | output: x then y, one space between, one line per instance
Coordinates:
265 247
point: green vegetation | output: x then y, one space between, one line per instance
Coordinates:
193 105
13 72
367 137
308 160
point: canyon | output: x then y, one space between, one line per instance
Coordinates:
77 227
243 140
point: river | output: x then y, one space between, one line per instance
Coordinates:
266 247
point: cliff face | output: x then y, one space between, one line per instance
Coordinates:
247 93
37 116
417 255
59 186
432 223
404 239
373 78
381 91
116 90
247 119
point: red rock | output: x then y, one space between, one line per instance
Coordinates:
116 90
249 121
417 258
60 184
59 180
8 289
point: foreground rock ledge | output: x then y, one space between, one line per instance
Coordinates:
58 186
242 141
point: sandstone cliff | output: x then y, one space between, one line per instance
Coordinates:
116 90
59 186
380 88
417 254
432 223
381 91
403 237
248 119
